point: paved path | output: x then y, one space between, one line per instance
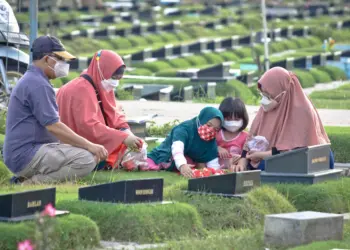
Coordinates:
169 111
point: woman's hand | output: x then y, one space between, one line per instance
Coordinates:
223 153
235 158
133 142
237 168
186 170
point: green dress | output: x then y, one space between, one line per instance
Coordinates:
198 150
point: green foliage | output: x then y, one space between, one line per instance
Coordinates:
153 38
243 52
236 88
169 37
161 131
153 66
329 197
334 72
121 43
320 76
340 139
167 73
5 174
179 63
71 232
182 36
140 72
289 44
137 41
229 55
141 222
213 58
306 79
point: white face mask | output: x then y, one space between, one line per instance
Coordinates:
110 84
233 126
61 68
265 103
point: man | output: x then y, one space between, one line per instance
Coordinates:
32 148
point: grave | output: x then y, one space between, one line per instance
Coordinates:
198 47
299 228
307 165
230 43
123 32
227 185
226 21
188 93
217 72
155 28
188 73
214 45
127 191
138 125
245 40
137 92
276 35
303 62
139 29
101 33
319 60
288 63
165 94
247 78
127 60
164 52
141 55
211 90
147 14
16 207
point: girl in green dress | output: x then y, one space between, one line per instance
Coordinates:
189 144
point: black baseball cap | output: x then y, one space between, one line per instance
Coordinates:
50 45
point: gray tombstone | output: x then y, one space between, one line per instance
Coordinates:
137 92
300 228
211 90
319 12
82 63
306 165
123 32
111 31
339 25
171 26
306 31
230 43
337 55
142 55
290 31
247 78
127 60
188 93
139 29
165 94
181 50
277 34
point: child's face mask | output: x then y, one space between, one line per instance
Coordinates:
233 126
206 133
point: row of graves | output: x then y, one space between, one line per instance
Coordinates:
306 165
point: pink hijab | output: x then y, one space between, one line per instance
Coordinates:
80 110
295 121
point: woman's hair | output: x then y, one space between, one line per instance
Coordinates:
234 107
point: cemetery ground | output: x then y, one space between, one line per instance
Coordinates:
196 221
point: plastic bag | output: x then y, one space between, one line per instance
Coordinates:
133 161
258 143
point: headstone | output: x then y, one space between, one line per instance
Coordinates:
139 29
90 33
226 185
252 38
277 34
22 206
230 43
172 26
142 55
127 17
337 55
74 64
306 165
101 33
181 50
111 31
187 73
127 60
319 60
127 191
300 63
215 44
308 62
165 94
188 93
155 28
306 31
346 24
226 21
244 40
123 32
289 63
211 90
209 11
301 228
319 12
290 32
198 47
147 14
219 71
137 92
247 78
165 52
306 14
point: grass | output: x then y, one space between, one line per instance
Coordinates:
71 232
332 99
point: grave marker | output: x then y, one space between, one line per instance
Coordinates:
181 50
127 60
306 165
198 47
127 191
216 72
22 206
188 93
137 92
165 52
230 43
293 229
142 55
319 60
165 94
215 45
230 185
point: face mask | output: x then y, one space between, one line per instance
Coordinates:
206 133
267 104
61 68
233 126
110 84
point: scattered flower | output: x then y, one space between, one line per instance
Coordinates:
25 245
49 210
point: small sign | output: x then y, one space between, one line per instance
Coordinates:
127 191
227 184
23 206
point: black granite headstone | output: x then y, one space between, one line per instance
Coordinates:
214 44
219 71
229 43
245 40
127 191
319 60
139 30
346 24
345 53
123 32
246 78
101 33
23 206
180 50
141 55
227 184
226 21
170 27
74 64
164 52
300 63
147 14
198 47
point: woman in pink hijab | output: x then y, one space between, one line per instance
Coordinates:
286 118
87 105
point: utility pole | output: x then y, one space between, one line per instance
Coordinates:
33 14
266 43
